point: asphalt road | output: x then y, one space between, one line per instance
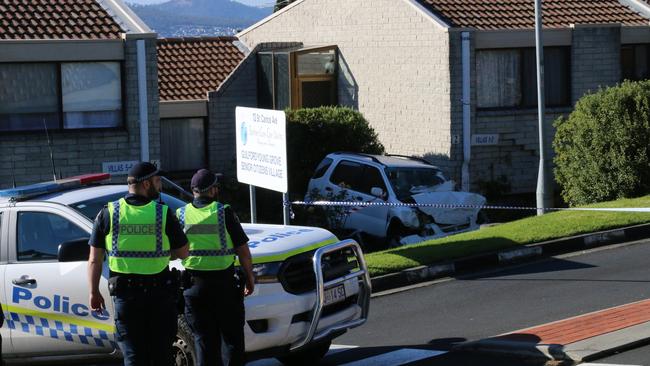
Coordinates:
417 326
487 304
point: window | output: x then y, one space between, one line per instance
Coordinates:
91 207
508 78
297 78
322 168
39 235
635 62
188 133
406 180
92 94
347 175
314 78
371 178
60 95
29 97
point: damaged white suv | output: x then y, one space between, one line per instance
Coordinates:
393 179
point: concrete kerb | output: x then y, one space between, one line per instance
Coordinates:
583 351
528 252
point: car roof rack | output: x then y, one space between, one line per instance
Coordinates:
371 157
421 160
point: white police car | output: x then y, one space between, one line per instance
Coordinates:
311 287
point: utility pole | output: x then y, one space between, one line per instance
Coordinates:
543 193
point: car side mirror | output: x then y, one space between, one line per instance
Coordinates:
74 250
377 192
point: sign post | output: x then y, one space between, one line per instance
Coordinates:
262 152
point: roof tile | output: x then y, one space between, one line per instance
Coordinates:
189 68
520 14
56 19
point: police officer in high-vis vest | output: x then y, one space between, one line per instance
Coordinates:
214 300
140 235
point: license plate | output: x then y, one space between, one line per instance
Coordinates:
334 295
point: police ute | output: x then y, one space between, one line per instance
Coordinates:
310 286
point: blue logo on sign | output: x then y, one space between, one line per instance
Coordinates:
244 133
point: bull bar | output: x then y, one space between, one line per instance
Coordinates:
363 298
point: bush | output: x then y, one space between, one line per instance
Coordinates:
603 148
313 133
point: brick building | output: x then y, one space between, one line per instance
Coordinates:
83 72
401 63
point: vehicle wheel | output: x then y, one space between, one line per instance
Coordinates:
394 235
184 353
312 355
482 218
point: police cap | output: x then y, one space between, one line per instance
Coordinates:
143 171
203 180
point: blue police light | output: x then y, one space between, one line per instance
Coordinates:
51 187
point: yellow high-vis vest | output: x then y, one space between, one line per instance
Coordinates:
211 247
136 242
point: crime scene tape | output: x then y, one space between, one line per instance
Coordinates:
448 206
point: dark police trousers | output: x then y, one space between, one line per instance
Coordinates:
214 309
146 324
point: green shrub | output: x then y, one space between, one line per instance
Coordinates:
313 133
603 147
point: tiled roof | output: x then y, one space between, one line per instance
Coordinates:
188 68
520 14
56 19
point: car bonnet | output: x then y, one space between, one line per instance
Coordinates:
274 243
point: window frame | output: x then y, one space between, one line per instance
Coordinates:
60 112
521 105
296 79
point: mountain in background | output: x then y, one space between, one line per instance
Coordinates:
183 18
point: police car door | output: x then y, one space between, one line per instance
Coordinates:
47 301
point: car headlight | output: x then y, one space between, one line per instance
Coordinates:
266 272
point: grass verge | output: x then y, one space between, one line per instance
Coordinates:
526 231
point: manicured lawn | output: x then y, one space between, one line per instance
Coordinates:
530 230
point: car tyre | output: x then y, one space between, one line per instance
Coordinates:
394 235
311 355
184 353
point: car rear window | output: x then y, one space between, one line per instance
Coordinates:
91 208
322 168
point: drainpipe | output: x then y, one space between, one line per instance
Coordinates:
142 101
467 147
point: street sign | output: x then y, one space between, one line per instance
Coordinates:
485 140
262 148
122 167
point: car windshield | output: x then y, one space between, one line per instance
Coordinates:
406 180
91 208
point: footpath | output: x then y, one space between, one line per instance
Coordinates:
578 339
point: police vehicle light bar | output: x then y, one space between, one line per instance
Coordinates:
53 186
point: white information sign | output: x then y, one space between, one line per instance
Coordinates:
262 148
121 167
490 139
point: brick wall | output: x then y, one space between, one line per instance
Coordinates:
26 155
395 58
596 58
595 62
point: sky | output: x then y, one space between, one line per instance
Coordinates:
248 2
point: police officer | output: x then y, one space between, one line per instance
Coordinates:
140 236
214 301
